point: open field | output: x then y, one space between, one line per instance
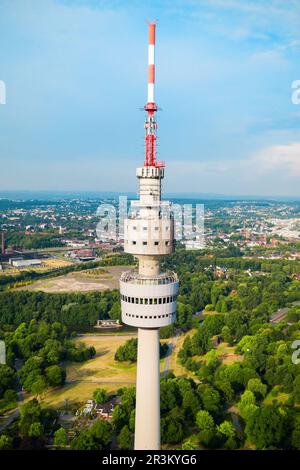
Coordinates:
55 263
48 264
227 353
81 281
174 365
103 371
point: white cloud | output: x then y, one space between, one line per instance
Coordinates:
272 171
283 158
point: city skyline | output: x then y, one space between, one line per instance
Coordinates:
74 86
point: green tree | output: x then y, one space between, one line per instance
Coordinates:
125 438
5 442
173 426
85 441
190 403
257 387
206 425
210 398
247 404
55 375
296 434
30 413
36 430
100 395
296 389
226 336
226 429
38 385
60 437
7 379
189 445
169 394
115 311
102 432
266 426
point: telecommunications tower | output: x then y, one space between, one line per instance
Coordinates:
148 296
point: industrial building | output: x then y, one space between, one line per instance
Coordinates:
21 263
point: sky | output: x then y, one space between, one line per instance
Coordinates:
75 73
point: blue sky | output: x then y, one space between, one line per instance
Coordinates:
76 71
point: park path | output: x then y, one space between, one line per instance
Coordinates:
10 416
281 313
234 412
171 347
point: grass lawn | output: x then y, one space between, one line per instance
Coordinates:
174 365
101 371
276 394
228 353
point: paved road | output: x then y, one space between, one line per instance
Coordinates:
106 335
70 382
169 354
281 313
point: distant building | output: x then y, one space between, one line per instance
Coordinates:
24 263
105 410
194 245
83 255
108 324
77 244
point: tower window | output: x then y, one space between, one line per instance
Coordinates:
144 243
156 243
134 242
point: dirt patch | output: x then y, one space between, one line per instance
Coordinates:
84 281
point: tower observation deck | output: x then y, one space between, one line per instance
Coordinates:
148 296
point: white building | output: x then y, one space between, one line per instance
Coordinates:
25 263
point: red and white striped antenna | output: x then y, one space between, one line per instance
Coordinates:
151 62
150 107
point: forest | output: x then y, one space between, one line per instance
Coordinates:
262 388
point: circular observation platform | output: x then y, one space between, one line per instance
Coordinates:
148 301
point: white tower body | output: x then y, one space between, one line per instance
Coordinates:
149 297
